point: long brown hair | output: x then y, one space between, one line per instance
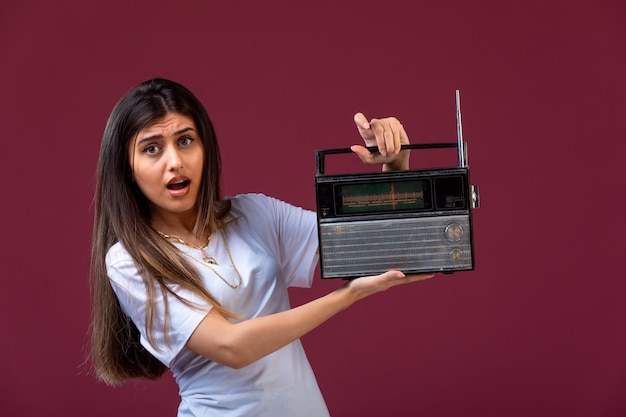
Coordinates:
122 214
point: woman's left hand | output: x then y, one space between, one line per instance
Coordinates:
388 135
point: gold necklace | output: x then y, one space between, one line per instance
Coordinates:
208 261
206 258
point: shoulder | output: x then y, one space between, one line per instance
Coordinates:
260 208
267 214
118 256
123 272
255 205
252 201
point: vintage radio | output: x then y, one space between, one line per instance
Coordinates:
416 221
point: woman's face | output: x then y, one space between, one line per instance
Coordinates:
166 159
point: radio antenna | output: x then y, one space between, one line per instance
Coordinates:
459 132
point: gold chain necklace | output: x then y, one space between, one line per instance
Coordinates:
206 259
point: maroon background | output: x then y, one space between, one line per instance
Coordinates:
537 329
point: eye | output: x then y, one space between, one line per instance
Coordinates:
185 140
151 149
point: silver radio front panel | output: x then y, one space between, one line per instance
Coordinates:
422 244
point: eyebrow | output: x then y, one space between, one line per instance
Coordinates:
159 136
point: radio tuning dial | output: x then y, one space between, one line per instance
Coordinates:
456 255
454 232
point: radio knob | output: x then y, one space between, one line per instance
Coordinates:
455 255
454 232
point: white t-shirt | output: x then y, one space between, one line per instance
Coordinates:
273 245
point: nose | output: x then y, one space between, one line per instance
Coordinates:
174 159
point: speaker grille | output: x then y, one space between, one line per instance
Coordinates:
358 248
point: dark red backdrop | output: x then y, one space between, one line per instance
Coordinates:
538 329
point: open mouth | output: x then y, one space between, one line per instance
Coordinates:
178 185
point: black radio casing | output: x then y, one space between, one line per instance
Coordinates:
434 235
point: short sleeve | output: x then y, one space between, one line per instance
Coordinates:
290 231
132 295
298 244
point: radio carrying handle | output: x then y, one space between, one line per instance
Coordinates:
320 155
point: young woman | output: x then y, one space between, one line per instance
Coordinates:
185 279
